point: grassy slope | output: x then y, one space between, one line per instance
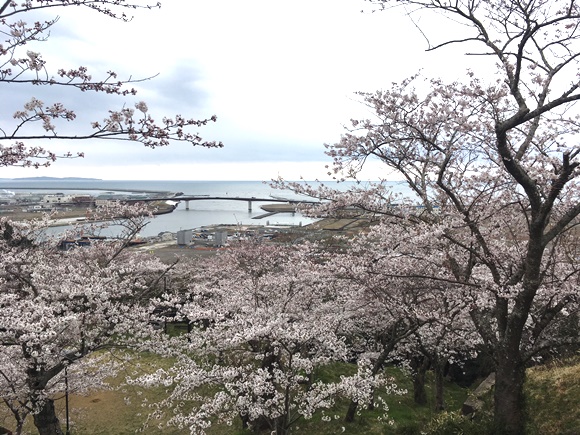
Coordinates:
553 394
103 411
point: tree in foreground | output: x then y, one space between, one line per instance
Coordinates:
267 323
494 163
60 306
36 120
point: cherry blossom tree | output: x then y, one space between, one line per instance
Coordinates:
60 306
449 339
494 163
399 312
266 320
64 313
37 120
381 311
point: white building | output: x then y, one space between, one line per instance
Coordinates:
58 198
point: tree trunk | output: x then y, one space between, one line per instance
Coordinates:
282 425
19 427
509 406
439 378
264 422
420 366
46 420
351 412
19 415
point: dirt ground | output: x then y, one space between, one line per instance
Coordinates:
168 252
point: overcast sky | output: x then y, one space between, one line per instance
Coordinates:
281 77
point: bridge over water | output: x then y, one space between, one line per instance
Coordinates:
166 196
249 200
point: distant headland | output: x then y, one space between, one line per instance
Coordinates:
52 179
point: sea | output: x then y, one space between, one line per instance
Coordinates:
201 213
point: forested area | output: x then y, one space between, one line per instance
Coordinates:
480 265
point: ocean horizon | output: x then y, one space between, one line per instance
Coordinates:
201 213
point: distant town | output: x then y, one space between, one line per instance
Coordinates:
18 203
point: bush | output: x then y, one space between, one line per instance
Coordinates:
454 423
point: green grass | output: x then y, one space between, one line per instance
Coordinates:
553 395
553 398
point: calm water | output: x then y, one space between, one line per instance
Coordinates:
200 213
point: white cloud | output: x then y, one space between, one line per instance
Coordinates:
280 76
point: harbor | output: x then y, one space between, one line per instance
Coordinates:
207 212
27 204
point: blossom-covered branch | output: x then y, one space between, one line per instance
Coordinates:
37 121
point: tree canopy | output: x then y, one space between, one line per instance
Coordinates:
494 162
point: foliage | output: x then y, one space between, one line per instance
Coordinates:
122 408
267 320
493 163
549 403
59 306
453 423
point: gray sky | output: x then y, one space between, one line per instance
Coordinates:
279 75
